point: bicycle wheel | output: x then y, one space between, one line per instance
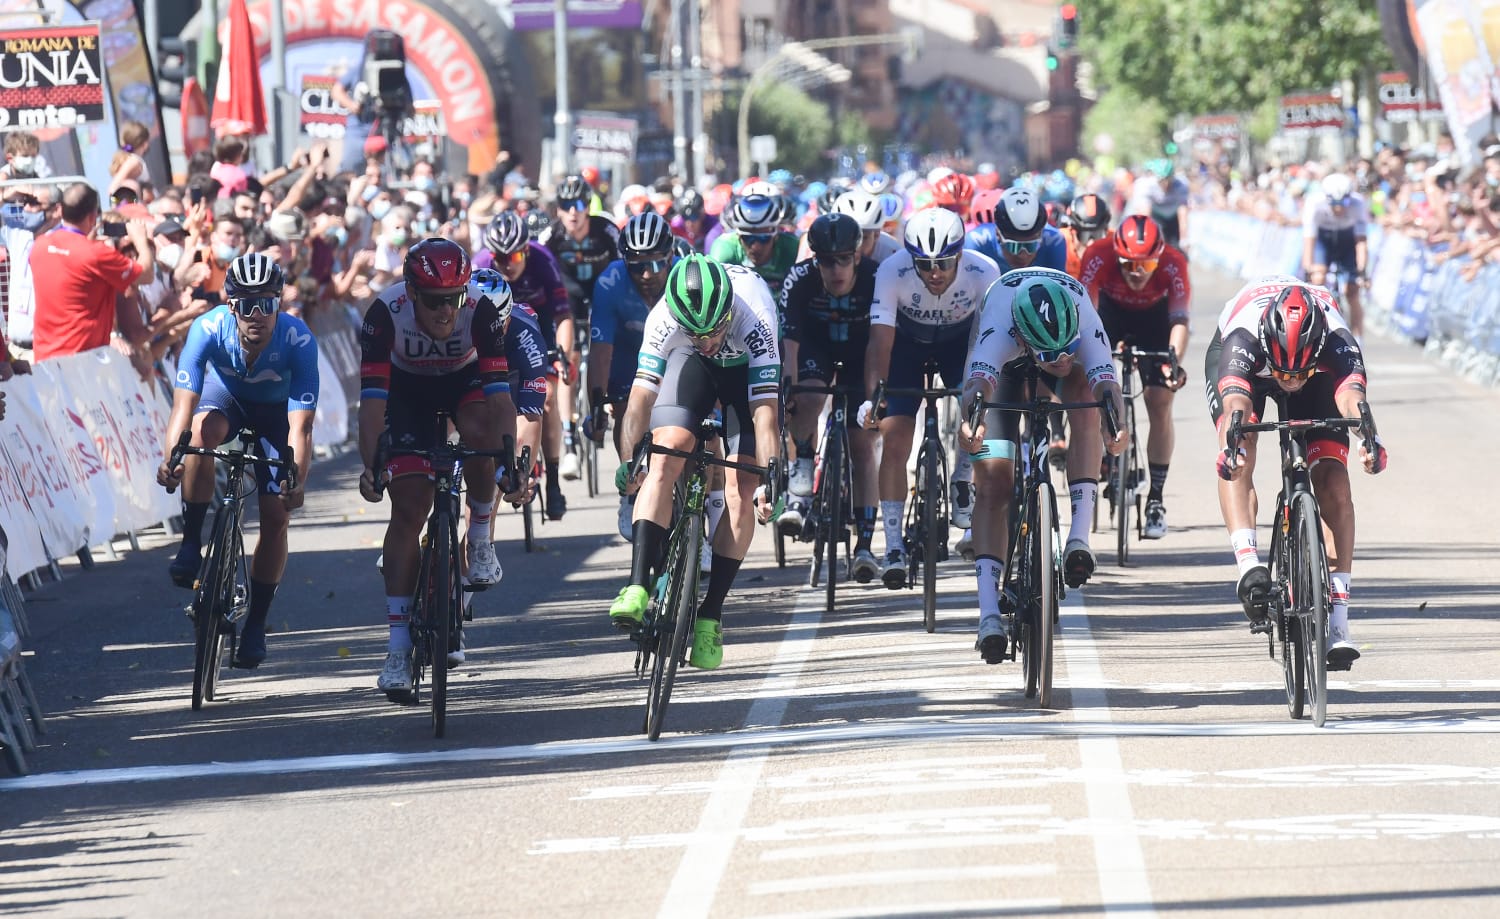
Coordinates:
591 466
679 600
439 620
1124 483
932 486
1312 601
1028 590
233 594
1046 536
526 524
1293 665
208 614
832 518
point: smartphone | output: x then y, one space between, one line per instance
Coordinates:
114 230
195 195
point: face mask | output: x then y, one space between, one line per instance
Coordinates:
23 165
379 209
1492 181
423 183
226 253
337 235
18 218
396 238
169 256
369 193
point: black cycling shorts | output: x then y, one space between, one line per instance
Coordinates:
691 386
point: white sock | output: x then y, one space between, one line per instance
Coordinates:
479 522
715 507
891 514
1338 612
988 571
1246 555
398 615
963 466
1082 494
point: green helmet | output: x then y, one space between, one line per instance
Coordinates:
699 294
1044 314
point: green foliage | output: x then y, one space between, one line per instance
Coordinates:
803 127
1202 56
1137 126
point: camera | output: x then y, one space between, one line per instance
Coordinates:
385 74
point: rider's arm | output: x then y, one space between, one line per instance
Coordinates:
526 360
300 439
377 336
792 309
883 321
1239 358
302 395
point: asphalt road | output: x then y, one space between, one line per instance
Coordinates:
837 765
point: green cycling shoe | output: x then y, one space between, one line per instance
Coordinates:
629 607
708 644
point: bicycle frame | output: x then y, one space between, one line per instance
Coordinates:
831 514
1127 472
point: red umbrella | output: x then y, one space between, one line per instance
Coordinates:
239 102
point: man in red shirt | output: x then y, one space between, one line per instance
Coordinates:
78 278
1140 286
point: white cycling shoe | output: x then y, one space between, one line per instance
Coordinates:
484 567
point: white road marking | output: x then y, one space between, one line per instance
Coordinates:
900 878
695 886
968 841
1124 886
934 908
984 727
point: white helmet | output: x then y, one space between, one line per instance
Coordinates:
760 188
1019 214
863 207
934 233
1337 186
936 173
755 214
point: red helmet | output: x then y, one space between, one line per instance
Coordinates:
955 190
436 266
982 208
1055 213
1138 239
1293 329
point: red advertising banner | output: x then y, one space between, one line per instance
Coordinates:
1402 102
1225 128
1311 111
51 77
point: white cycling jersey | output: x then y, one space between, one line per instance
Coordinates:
1244 309
885 247
903 301
1318 216
751 338
997 343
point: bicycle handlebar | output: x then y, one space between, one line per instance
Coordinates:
647 446
446 453
287 464
882 391
1365 423
1043 406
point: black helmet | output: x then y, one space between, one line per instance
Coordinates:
647 233
574 188
537 220
507 233
828 197
834 233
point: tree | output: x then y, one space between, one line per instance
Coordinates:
1136 126
802 125
1201 56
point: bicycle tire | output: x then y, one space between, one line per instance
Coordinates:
227 597
1124 468
657 632
14 757
933 486
683 573
526 524
1028 586
591 466
439 622
1293 664
206 615
833 511
1047 608
1313 602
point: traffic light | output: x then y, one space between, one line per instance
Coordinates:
1051 59
177 59
1068 33
1170 148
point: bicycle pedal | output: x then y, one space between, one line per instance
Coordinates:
1340 666
1263 627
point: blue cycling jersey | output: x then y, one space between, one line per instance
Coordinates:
1053 254
286 371
619 309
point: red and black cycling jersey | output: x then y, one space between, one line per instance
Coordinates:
1242 360
1100 273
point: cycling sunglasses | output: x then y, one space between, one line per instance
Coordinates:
1302 377
572 204
757 239
1139 265
1021 246
1052 357
250 307
935 264
835 260
517 257
437 302
716 330
648 266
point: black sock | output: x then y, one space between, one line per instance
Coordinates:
193 513
553 482
261 595
804 449
649 540
720 579
866 518
1158 480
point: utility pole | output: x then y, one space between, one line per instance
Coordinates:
278 79
561 137
679 104
695 109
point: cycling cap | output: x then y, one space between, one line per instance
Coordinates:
699 294
982 208
1138 238
863 207
1089 212
647 233
253 275
834 233
487 282
1019 214
507 233
934 233
1293 329
1044 313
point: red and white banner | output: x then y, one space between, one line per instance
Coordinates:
1311 111
1401 102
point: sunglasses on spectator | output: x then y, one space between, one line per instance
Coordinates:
935 264
757 239
835 260
250 307
436 302
1293 377
1139 265
1052 357
713 333
1021 246
648 266
572 204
